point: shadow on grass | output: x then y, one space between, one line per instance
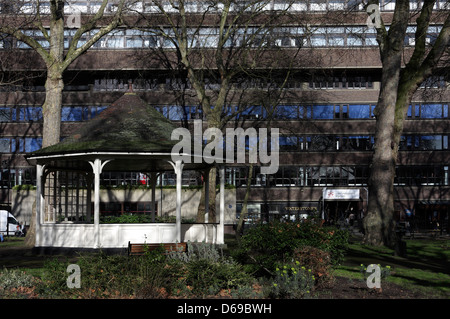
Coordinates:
431 255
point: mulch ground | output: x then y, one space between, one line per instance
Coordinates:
345 288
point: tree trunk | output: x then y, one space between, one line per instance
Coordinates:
379 223
379 226
52 109
30 238
244 210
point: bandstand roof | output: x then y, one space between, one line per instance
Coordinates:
130 133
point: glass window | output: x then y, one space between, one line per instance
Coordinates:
431 111
323 111
354 40
359 111
7 114
371 40
318 41
287 111
305 112
74 114
253 112
33 144
5 145
431 142
336 40
30 113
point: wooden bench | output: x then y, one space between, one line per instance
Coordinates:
140 249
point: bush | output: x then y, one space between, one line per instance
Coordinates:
104 276
14 279
291 281
203 271
268 244
54 278
318 260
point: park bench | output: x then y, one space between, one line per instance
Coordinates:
135 249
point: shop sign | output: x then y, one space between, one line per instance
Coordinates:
334 194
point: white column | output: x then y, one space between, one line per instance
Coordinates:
97 167
220 231
206 174
89 181
40 202
178 168
153 178
206 181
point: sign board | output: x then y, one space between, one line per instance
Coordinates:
335 194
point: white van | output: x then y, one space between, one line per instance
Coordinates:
7 220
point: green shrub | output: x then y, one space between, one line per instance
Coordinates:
105 276
204 271
291 281
54 278
14 279
271 243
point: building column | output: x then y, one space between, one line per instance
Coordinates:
97 167
178 168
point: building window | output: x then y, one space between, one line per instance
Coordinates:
30 113
7 114
361 111
323 112
30 144
74 113
432 111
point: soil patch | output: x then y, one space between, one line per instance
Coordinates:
346 288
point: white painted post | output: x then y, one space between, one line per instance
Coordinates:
153 178
178 168
40 203
207 171
220 232
97 167
206 174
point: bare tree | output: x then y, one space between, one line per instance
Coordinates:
50 22
398 84
22 19
221 49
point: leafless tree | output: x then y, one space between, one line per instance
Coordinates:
231 54
402 73
41 26
23 20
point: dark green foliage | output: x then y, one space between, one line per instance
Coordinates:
204 271
268 244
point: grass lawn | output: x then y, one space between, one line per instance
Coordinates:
425 268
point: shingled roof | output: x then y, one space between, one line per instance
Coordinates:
127 125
